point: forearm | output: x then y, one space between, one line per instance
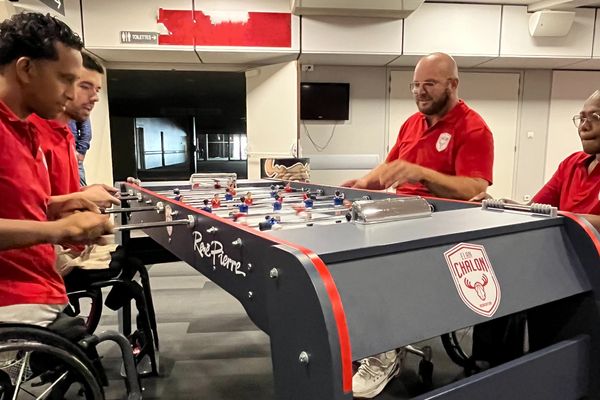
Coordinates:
452 187
16 234
372 181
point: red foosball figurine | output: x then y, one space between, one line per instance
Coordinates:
216 201
249 201
288 188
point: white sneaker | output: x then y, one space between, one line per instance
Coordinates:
374 373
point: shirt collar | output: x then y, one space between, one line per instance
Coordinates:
457 112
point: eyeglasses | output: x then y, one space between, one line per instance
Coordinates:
426 85
579 120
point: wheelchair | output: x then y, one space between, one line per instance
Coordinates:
39 363
84 290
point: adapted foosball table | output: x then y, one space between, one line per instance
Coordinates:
333 275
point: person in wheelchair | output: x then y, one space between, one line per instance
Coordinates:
86 269
40 60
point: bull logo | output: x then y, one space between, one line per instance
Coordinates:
295 172
478 286
474 278
443 141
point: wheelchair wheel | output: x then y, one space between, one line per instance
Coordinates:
35 363
87 305
459 346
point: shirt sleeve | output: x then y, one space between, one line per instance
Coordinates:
83 135
475 156
550 192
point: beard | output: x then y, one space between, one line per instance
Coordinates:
436 105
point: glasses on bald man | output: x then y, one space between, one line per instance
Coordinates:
427 85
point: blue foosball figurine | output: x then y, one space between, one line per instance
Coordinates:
206 207
309 202
278 203
243 206
228 195
338 198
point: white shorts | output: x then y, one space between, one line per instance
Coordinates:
34 314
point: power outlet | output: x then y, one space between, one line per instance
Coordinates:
308 68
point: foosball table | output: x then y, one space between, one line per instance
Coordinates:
334 275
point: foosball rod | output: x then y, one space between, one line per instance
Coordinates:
189 222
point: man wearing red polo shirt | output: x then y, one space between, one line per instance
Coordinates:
58 142
39 64
444 150
575 186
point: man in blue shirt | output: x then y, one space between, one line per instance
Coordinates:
79 109
83 136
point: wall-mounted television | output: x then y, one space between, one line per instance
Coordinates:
324 101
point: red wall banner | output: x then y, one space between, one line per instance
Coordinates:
261 29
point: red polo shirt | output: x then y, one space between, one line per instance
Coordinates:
28 275
58 145
572 188
460 144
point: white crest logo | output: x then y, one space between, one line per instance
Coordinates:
474 278
443 141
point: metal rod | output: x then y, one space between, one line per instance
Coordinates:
123 198
158 224
128 210
536 208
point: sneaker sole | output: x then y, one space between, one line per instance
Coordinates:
379 389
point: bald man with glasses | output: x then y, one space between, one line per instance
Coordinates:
445 149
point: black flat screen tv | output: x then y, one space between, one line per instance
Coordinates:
324 101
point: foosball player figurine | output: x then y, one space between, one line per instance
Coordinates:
288 188
217 184
338 198
273 191
228 195
216 201
309 201
206 207
232 190
269 223
249 200
278 203
243 206
178 196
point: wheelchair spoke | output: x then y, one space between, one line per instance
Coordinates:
21 373
60 378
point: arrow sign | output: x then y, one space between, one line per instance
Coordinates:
55 5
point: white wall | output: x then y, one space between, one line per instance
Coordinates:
271 113
362 134
532 133
98 160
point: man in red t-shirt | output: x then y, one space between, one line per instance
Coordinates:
445 149
575 186
39 64
58 142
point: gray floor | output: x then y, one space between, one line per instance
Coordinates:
209 349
